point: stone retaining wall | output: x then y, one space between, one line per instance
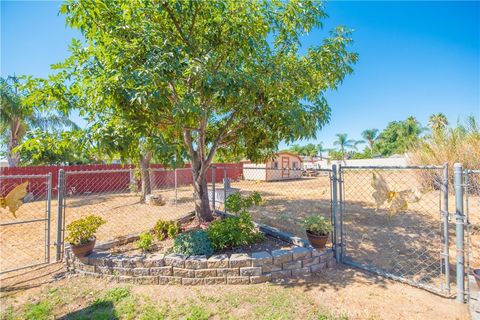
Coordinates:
191 270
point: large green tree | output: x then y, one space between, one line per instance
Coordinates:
54 148
138 143
221 76
398 137
18 115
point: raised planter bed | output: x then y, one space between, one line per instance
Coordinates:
277 260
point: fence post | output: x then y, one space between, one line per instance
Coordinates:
175 178
132 181
446 253
61 186
340 210
214 173
49 210
458 183
225 186
335 213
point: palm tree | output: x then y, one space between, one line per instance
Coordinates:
18 117
438 122
343 142
356 143
371 136
320 150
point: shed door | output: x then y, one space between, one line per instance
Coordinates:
285 166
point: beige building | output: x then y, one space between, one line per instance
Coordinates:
284 166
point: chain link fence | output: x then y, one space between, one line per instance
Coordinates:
288 195
392 221
116 196
395 223
25 221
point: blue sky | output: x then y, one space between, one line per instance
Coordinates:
416 58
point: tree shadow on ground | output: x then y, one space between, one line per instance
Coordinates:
338 278
408 244
101 309
31 278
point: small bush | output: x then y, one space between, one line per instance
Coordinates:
236 203
193 243
81 231
145 242
164 229
173 230
234 232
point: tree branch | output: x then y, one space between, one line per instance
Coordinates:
193 21
219 138
175 22
187 137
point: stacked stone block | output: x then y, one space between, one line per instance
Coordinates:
236 268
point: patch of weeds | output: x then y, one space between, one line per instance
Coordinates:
8 314
127 307
278 305
38 311
57 297
117 294
189 311
198 313
150 312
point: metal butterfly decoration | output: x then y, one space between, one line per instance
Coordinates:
398 200
13 200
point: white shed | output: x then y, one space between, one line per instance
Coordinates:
285 166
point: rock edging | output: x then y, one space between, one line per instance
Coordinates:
238 268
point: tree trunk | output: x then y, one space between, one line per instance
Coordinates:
200 185
145 175
12 157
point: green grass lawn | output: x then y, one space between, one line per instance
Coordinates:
120 302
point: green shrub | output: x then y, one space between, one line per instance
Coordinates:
234 232
193 243
81 231
164 229
145 242
317 225
236 203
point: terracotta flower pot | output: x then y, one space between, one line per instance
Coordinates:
83 250
476 275
317 241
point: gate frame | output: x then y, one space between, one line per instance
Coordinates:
444 261
467 225
46 219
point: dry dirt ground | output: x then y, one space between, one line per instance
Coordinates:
408 243
344 293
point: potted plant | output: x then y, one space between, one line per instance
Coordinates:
317 228
81 234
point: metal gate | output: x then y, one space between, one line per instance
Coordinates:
472 229
25 221
394 222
